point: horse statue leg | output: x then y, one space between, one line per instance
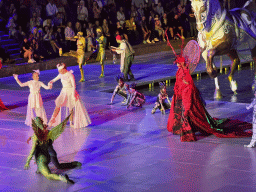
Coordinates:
205 55
235 62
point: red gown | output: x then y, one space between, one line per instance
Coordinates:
188 114
2 106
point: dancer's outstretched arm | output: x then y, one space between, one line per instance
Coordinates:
19 82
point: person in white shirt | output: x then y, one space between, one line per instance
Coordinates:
35 102
121 16
99 4
127 56
70 99
82 12
51 9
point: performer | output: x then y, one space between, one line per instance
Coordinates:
135 98
253 105
35 102
42 140
99 53
70 99
127 57
2 106
160 103
79 54
188 114
121 89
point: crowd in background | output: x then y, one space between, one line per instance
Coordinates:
43 28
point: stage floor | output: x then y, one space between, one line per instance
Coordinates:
129 149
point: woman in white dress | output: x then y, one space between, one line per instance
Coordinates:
70 99
35 102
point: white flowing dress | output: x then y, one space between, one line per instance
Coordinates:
34 101
67 98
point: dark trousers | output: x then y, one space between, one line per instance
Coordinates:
127 67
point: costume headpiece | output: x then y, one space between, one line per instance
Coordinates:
36 71
190 55
99 30
162 85
38 127
80 33
133 86
60 66
118 37
119 77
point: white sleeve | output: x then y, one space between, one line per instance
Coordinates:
44 86
121 49
56 78
22 84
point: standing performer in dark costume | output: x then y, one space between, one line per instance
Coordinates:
160 103
44 152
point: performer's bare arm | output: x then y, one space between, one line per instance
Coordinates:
19 82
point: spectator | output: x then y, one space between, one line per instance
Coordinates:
131 29
12 10
47 22
69 36
146 32
100 5
121 16
177 27
96 11
58 21
146 10
61 10
78 27
26 51
134 13
192 22
121 31
97 25
158 27
35 21
153 8
82 13
12 27
141 12
35 49
106 31
51 9
160 10
60 38
90 37
35 8
151 26
35 35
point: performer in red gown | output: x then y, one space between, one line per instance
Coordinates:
188 114
2 106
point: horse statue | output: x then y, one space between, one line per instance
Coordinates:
221 31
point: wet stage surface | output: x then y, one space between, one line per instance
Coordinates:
129 149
